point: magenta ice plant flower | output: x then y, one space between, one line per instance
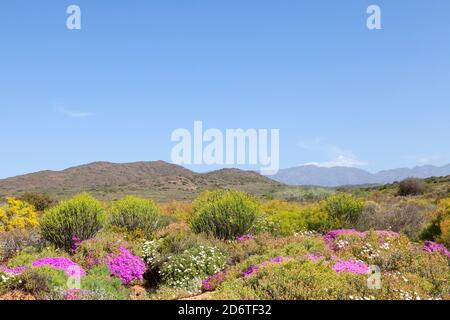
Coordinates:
430 247
246 237
212 282
70 268
13 271
250 271
255 269
72 294
126 266
353 266
314 257
387 234
76 242
331 236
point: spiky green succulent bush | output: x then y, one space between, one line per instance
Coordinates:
135 215
79 217
344 208
224 214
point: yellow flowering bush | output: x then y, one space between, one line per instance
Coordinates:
292 217
17 215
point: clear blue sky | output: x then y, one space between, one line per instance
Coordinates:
137 70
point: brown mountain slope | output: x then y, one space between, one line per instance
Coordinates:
159 180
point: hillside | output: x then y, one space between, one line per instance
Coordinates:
159 180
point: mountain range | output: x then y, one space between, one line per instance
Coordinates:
159 180
311 175
163 181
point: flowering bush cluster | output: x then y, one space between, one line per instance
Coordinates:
353 266
331 237
339 239
17 215
315 257
150 252
212 282
126 266
296 258
7 280
71 269
254 269
187 270
14 270
431 246
76 242
246 237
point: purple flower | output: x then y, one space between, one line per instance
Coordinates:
250 271
14 271
212 282
72 294
254 269
246 237
277 260
387 234
430 247
331 236
314 257
70 268
353 266
126 266
76 242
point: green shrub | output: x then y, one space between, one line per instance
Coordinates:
304 194
135 215
264 224
29 254
411 187
293 280
292 217
224 214
40 201
344 208
43 282
99 285
79 217
407 216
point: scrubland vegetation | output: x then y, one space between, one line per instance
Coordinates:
296 244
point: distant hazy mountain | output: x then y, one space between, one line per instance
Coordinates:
340 176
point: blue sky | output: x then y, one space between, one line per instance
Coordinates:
115 90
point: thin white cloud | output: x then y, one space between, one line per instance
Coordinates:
339 156
341 161
426 159
74 114
429 159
